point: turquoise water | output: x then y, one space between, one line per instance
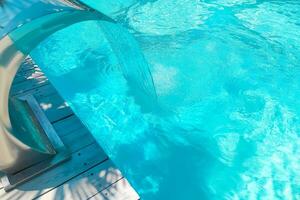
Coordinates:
223 119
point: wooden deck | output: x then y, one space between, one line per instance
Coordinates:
89 174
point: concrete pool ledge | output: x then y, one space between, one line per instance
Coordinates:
89 173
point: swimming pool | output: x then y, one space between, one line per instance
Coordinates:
225 124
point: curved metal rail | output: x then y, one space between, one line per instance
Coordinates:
30 22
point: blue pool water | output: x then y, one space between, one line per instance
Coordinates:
223 119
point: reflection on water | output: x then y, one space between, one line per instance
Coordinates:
227 72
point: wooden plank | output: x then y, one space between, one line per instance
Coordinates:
28 72
9 182
89 173
40 92
68 125
51 103
52 141
44 91
87 184
27 75
77 140
28 85
54 107
80 162
82 135
121 190
44 122
80 139
28 64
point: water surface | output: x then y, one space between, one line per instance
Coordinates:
225 124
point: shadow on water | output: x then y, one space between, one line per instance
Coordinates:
173 170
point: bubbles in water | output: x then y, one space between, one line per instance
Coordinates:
164 78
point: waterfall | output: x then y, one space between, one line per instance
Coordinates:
97 49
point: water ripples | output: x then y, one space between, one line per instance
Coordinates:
228 73
167 17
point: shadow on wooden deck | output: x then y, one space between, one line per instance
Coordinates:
89 174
